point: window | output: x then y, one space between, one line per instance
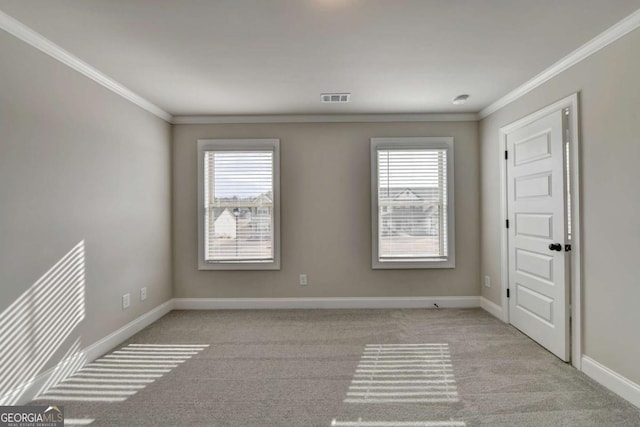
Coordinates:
412 203
238 204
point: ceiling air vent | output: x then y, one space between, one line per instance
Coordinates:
335 97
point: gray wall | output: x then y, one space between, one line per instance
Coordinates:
77 163
609 87
326 214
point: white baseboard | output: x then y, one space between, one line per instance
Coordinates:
612 380
491 307
102 346
28 391
326 303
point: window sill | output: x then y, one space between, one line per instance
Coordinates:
239 266
415 265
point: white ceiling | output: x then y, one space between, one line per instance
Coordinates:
235 57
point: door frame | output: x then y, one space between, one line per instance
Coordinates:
570 102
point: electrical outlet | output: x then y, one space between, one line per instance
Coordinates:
487 281
126 301
143 294
303 279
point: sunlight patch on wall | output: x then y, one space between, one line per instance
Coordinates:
37 323
121 374
73 360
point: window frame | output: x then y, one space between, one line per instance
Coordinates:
205 145
400 143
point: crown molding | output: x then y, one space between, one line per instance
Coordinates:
37 40
325 118
609 36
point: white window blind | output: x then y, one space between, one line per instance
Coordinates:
239 206
412 205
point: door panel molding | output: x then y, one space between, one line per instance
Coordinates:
570 102
535 308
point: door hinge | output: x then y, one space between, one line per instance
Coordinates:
506 155
508 294
507 221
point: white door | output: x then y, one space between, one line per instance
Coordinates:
538 262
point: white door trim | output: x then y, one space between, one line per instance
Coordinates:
570 102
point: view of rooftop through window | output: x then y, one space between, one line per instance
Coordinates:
239 205
412 203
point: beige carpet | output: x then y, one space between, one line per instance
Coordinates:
411 368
